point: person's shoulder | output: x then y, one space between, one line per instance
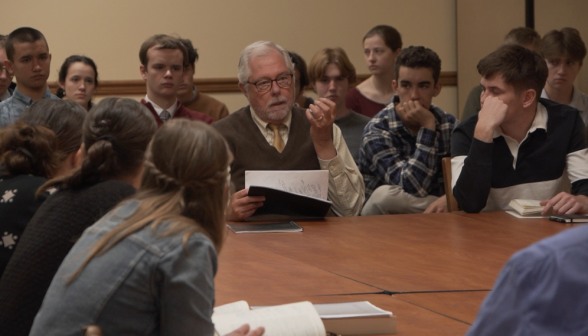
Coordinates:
195 115
213 102
444 115
360 117
233 120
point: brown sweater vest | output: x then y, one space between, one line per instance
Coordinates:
252 152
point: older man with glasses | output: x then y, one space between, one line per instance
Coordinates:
272 134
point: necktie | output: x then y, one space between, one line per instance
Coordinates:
278 141
164 116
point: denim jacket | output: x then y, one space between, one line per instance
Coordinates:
144 285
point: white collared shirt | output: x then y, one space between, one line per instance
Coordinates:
267 132
172 109
539 122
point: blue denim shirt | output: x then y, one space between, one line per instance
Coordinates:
541 291
144 285
11 108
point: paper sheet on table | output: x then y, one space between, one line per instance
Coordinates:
515 214
314 183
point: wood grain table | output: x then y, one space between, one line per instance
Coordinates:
434 252
432 271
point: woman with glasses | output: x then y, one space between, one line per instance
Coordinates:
381 45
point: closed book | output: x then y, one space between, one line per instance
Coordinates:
356 318
526 207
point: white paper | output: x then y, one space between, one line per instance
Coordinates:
295 319
233 307
349 310
313 183
516 214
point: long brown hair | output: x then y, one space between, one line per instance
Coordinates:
185 183
116 133
44 136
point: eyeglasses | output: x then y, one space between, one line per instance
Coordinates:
264 85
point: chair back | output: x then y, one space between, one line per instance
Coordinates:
451 201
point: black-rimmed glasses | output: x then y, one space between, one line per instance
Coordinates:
264 85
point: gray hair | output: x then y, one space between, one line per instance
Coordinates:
259 48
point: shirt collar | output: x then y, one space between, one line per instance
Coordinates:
263 125
172 109
539 122
28 101
5 96
576 102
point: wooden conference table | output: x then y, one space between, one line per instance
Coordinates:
432 271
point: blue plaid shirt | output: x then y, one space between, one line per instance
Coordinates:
391 154
11 108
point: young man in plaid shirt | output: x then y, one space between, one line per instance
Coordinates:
402 148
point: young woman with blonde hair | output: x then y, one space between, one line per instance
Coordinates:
116 133
153 258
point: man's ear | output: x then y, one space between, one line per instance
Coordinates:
143 71
242 87
394 85
438 88
80 155
529 97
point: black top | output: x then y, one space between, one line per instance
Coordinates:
17 206
51 233
542 159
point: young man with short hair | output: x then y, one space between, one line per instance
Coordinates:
519 145
403 145
525 36
332 73
564 52
163 59
28 58
189 95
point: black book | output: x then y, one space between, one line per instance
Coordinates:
280 204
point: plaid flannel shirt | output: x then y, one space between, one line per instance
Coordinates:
391 154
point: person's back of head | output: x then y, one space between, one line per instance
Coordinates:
563 43
22 35
46 134
115 136
419 57
187 187
524 36
520 67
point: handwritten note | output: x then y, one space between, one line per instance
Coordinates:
313 183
